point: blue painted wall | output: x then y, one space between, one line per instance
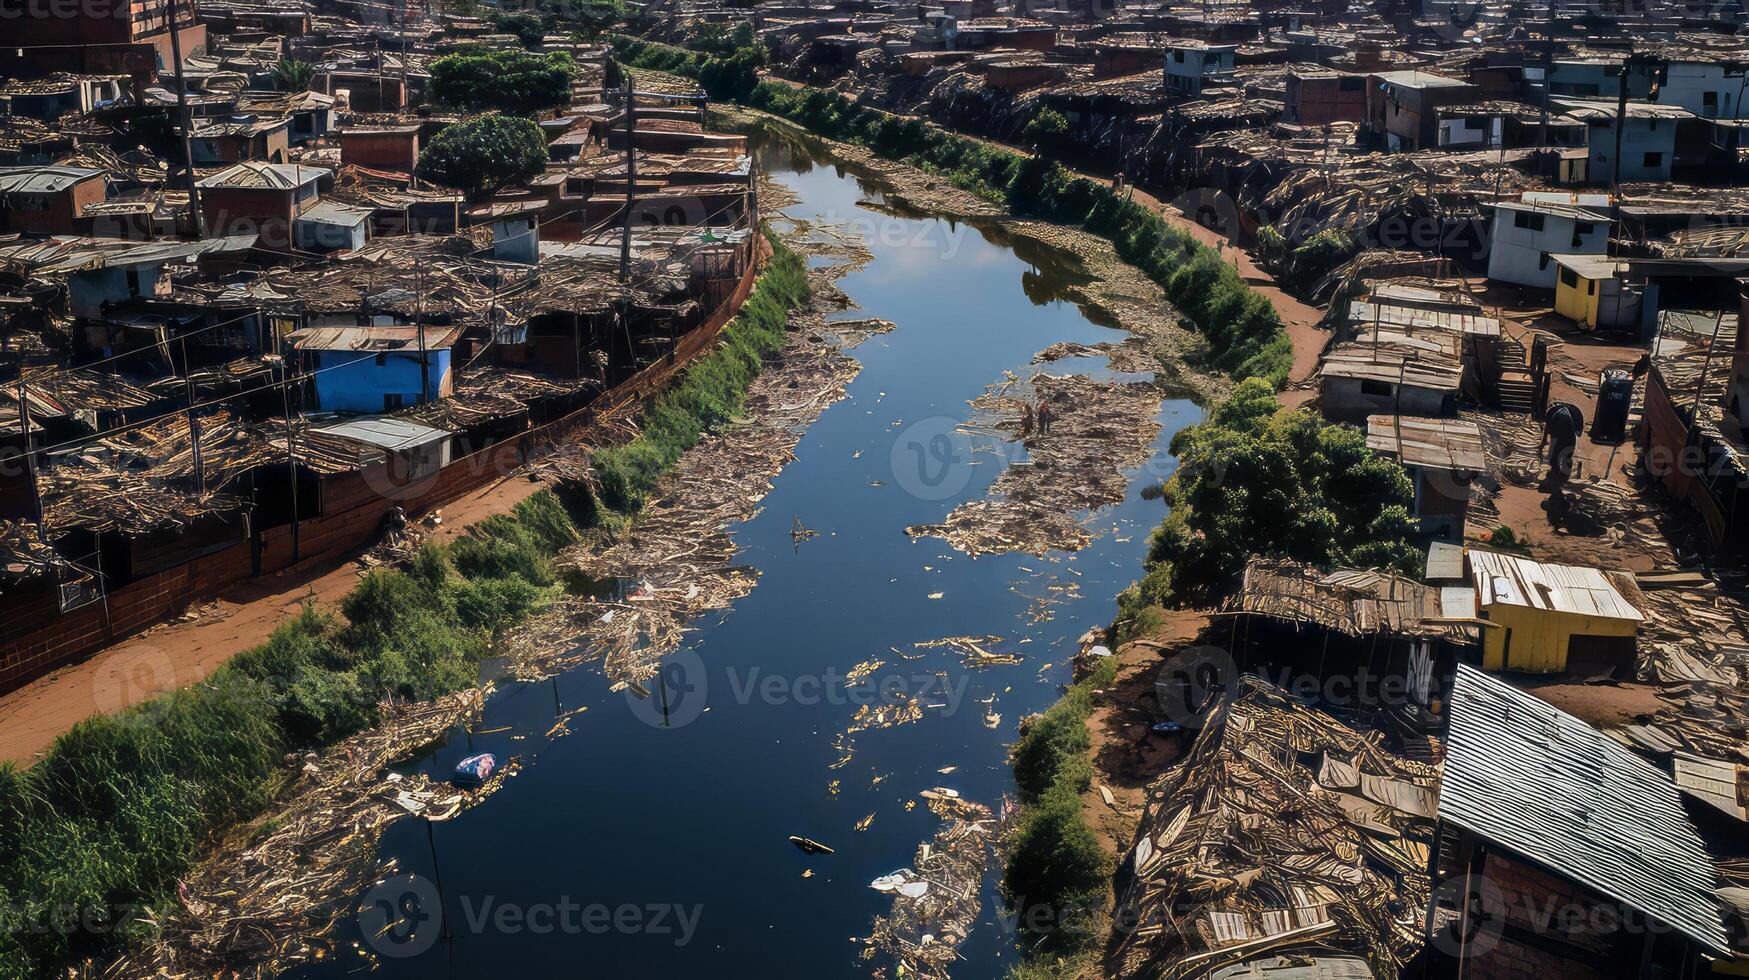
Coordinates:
360 386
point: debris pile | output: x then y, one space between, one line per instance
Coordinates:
1097 430
263 904
935 902
1246 849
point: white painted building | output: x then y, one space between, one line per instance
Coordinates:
1194 65
1707 89
1527 232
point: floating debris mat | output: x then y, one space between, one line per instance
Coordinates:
1284 831
1097 430
270 896
936 902
1128 357
678 556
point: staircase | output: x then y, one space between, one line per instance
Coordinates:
1516 387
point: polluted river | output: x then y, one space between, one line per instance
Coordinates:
646 827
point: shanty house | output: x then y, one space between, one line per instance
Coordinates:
377 369
260 198
330 226
1402 106
1361 636
1192 66
1551 618
110 270
1442 457
391 148
1648 138
1561 853
408 450
1389 371
233 139
1709 89
1317 96
1590 292
49 200
1525 233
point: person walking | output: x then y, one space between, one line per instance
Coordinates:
1044 415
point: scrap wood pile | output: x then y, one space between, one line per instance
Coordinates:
936 901
24 554
1704 717
679 550
1246 850
1356 194
485 393
1097 430
267 900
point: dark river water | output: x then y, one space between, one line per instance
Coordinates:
638 846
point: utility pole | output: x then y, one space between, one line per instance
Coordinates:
631 118
419 328
182 109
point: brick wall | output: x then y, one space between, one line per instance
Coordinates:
353 507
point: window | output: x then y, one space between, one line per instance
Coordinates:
394 401
382 360
1178 56
1370 387
1569 277
1709 102
1528 220
1350 83
1654 159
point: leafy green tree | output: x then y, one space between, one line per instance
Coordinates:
586 17
506 81
1046 130
292 75
528 28
485 153
1255 480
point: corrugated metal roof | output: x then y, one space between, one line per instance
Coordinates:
1538 781
385 433
266 176
1510 580
1298 968
43 180
380 339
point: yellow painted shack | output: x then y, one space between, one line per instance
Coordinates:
1591 291
1551 618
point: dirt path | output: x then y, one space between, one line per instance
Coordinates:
180 653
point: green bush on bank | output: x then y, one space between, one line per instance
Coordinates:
94 836
1057 875
1244 335
712 389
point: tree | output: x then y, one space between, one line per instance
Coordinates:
506 81
528 28
483 154
1255 480
1045 130
292 75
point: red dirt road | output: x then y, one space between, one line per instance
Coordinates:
179 653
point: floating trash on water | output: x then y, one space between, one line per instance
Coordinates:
863 824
